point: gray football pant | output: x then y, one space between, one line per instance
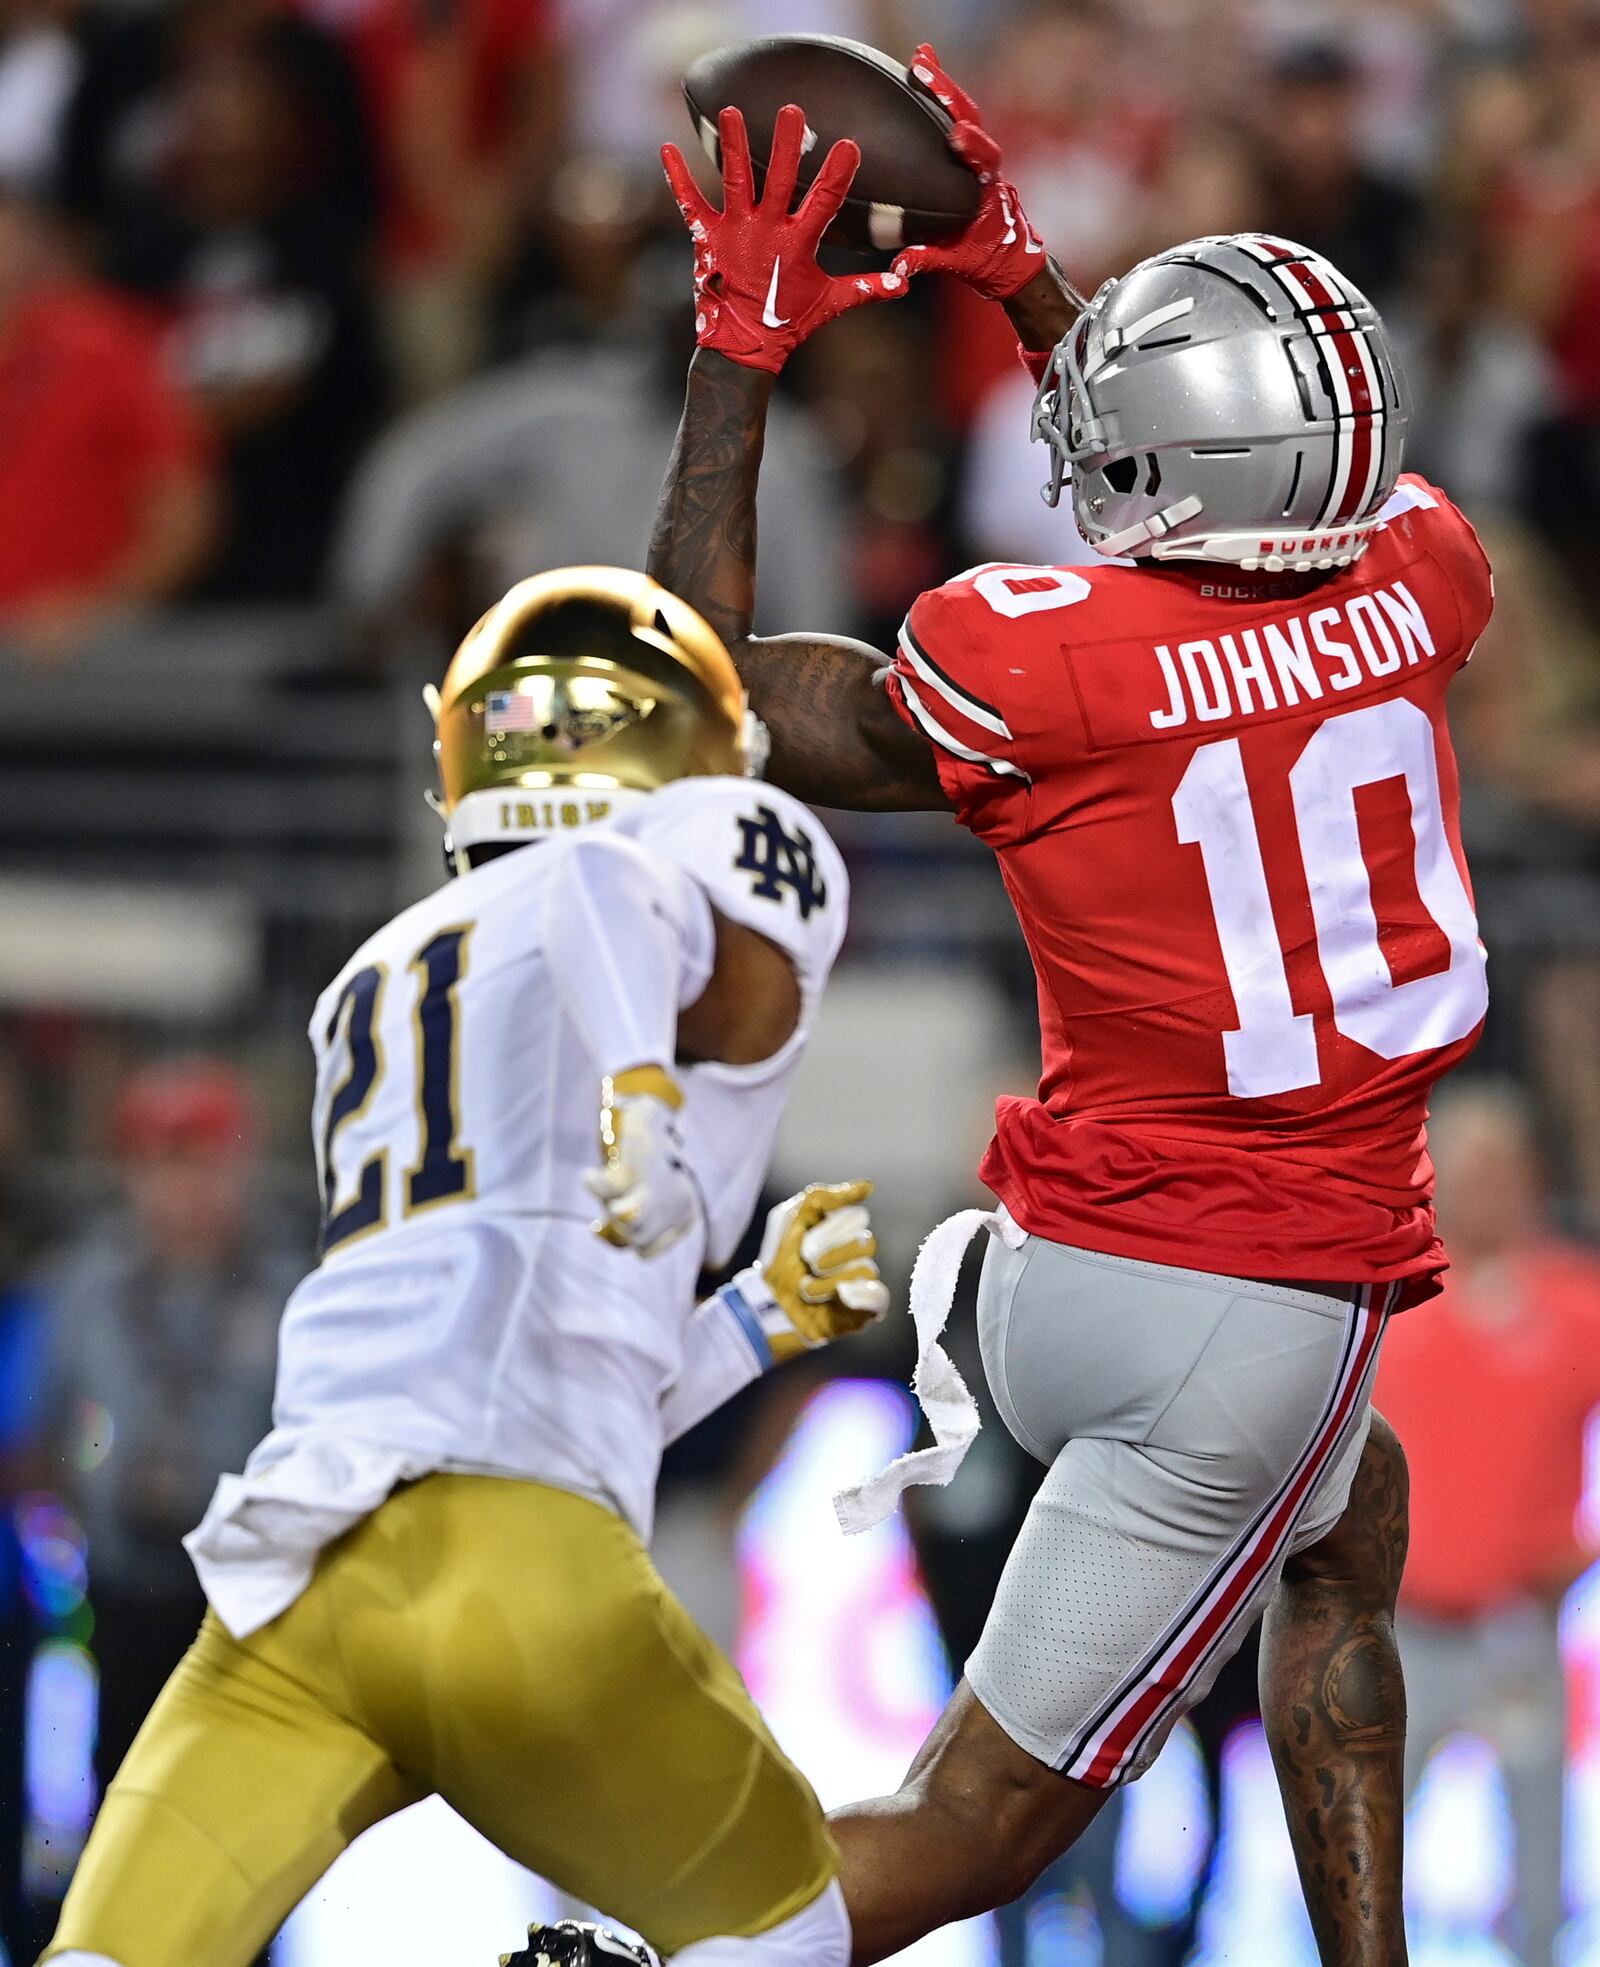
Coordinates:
1198 1430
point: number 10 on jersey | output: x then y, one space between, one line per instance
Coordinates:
1274 1048
443 1170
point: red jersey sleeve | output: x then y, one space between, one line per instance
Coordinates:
945 684
1454 548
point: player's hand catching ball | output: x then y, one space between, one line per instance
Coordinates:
758 290
999 252
816 1278
647 1196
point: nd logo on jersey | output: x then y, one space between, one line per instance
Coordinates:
779 859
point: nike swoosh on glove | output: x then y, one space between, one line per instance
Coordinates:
758 290
998 252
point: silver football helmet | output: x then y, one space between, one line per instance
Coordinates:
1232 399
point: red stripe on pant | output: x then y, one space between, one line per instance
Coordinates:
1172 1678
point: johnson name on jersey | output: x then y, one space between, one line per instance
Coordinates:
464 1314
1226 813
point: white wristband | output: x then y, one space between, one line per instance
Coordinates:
749 1302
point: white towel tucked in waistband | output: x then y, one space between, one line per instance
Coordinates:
944 1396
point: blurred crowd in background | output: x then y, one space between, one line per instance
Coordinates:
321 321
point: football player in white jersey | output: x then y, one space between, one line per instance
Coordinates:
432 1575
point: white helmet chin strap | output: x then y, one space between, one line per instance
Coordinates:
1156 527
1288 553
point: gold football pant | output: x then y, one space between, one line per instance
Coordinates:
506 1644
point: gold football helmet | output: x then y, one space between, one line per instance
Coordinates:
580 691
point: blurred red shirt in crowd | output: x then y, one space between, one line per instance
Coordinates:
1553 230
1544 224
104 479
1491 1386
453 90
199 1105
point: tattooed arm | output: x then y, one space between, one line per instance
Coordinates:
836 738
1334 1703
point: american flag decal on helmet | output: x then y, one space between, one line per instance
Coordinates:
1350 375
508 710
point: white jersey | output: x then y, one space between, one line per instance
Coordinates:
464 1314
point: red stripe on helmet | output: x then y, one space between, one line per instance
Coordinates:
1358 422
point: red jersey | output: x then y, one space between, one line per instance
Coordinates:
88 424
1518 1381
1227 818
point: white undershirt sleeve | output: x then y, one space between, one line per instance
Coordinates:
724 1349
630 940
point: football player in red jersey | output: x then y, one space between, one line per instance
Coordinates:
1216 774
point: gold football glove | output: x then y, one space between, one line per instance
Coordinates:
816 1279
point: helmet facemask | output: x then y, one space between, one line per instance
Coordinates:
1073 427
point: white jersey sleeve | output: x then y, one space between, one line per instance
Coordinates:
629 940
762 859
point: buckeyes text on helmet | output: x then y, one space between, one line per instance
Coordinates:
1233 399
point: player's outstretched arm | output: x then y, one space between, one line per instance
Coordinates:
1334 1701
836 739
1044 310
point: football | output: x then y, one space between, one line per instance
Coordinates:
911 187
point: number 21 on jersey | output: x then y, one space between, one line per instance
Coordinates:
1274 1048
443 1170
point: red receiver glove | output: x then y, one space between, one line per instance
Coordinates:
758 290
999 252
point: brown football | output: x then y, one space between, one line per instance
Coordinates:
911 186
